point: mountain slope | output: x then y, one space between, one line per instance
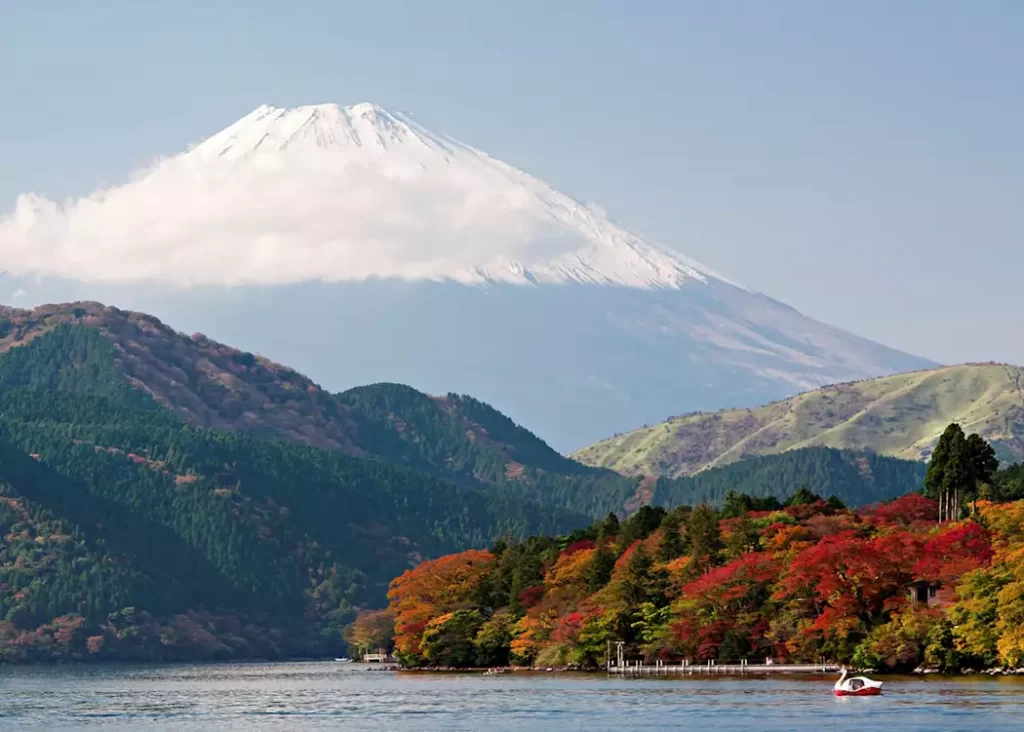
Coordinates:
900 416
104 353
212 385
359 246
108 500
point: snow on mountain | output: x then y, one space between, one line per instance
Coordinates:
341 240
332 193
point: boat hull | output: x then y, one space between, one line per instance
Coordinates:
866 691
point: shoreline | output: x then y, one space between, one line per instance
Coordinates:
729 670
674 672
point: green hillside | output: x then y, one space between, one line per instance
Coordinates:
899 416
108 502
209 384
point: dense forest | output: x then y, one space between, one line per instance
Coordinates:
166 497
885 586
461 439
114 513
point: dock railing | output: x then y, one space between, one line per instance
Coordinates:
664 668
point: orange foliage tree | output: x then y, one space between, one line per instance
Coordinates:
431 589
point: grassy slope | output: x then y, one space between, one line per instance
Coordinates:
900 416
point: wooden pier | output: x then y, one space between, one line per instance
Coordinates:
660 668
620 665
379 657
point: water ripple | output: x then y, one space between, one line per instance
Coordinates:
315 696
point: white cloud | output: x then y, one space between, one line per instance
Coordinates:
280 218
331 194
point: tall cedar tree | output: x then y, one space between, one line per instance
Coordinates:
703 538
958 467
671 544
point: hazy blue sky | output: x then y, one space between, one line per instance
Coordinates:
861 161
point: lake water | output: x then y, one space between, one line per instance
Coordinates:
320 696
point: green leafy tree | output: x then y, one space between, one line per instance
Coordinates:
493 639
449 640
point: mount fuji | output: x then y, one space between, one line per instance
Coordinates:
357 246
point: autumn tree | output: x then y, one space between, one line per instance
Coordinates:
370 631
430 590
844 582
724 613
954 551
494 638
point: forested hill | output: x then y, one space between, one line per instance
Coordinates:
116 511
454 437
209 384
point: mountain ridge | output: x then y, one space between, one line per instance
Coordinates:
453 437
901 416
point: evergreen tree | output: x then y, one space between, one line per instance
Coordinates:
935 480
640 525
601 567
982 464
802 497
671 544
958 467
835 503
610 528
635 585
743 538
703 537
735 504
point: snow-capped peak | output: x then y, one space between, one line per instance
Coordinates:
316 126
333 193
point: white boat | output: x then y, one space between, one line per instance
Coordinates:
346 659
856 686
